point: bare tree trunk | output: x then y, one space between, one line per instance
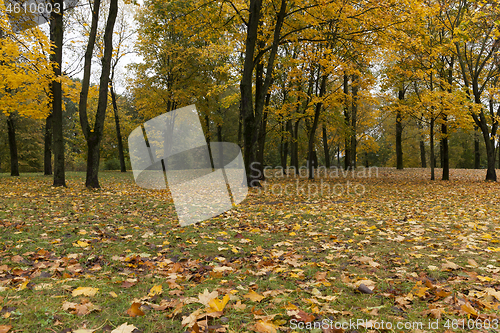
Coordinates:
325 148
347 120
47 159
433 160
56 37
399 133
423 162
312 133
121 155
354 115
477 154
14 161
445 160
94 137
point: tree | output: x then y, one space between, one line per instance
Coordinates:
93 135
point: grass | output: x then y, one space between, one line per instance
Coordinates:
429 250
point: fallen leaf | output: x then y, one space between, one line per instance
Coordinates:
124 328
135 310
219 305
156 290
253 296
206 297
85 291
5 328
265 327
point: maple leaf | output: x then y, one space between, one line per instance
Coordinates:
156 290
205 297
85 291
219 305
253 296
135 310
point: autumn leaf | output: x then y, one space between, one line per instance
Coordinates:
205 297
124 328
85 291
219 305
5 328
253 296
135 310
265 327
156 290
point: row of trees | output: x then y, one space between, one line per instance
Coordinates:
315 79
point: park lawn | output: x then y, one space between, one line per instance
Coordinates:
391 248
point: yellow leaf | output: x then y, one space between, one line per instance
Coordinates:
265 327
81 244
156 290
218 305
253 296
85 291
113 294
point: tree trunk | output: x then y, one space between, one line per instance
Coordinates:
250 125
445 160
56 38
262 138
433 160
423 162
325 148
14 162
295 146
121 155
399 133
347 121
354 115
47 160
94 136
312 133
477 154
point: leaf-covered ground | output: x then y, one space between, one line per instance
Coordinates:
392 252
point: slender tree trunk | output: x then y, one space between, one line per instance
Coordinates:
262 137
95 136
347 121
56 37
423 162
354 119
399 133
444 144
121 155
433 159
312 133
477 154
325 148
14 161
47 160
295 146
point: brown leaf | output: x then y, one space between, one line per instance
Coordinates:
135 310
253 296
265 327
5 328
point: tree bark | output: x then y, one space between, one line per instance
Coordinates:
250 125
477 154
119 138
423 162
433 160
94 136
47 160
399 133
325 148
347 121
56 38
445 160
14 161
314 126
354 119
